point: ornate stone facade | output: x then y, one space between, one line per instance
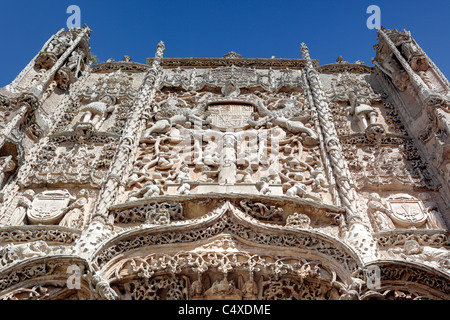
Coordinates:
227 178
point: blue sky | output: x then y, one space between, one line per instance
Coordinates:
200 28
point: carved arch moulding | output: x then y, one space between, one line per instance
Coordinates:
225 218
225 254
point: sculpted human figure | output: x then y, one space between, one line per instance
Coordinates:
206 175
149 190
263 186
196 289
223 287
246 175
319 180
75 61
412 250
6 165
353 291
183 178
434 220
103 288
19 214
13 253
211 152
298 190
364 113
137 178
162 162
228 167
274 176
59 44
250 289
379 213
75 211
399 76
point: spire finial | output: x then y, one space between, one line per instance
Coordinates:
160 50
305 51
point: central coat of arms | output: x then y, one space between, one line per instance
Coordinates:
230 116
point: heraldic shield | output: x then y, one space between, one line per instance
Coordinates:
407 211
49 207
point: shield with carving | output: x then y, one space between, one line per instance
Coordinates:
48 207
407 211
230 116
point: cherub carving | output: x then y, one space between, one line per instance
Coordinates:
297 190
263 186
319 181
184 179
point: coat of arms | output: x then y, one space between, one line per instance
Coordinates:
230 116
48 207
407 211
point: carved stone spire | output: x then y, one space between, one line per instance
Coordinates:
128 145
358 234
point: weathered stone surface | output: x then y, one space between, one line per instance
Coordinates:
227 178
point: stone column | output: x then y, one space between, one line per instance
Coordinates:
358 234
422 89
30 101
429 117
38 90
100 226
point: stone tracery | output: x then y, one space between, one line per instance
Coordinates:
225 178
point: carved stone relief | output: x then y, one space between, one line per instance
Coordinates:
404 211
186 154
225 178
